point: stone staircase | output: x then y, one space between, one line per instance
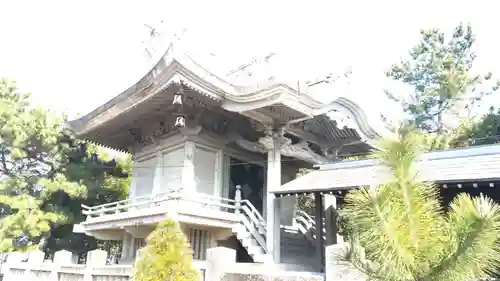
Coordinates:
251 232
297 241
297 249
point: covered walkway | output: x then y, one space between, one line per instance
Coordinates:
480 163
472 169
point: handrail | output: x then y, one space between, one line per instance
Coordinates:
155 195
255 221
132 202
309 223
117 202
153 199
306 216
201 201
210 197
254 211
261 226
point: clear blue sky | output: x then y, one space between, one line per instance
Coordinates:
75 55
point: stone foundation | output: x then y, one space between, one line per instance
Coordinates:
261 277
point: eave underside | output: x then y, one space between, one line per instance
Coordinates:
448 191
155 117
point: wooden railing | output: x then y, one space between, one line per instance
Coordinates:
156 200
246 211
308 225
251 219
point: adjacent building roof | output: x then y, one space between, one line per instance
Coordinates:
462 164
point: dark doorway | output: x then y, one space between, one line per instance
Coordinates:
251 179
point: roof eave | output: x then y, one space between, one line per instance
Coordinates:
316 179
178 68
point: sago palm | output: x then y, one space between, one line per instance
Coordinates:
404 232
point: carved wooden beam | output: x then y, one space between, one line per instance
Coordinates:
300 150
331 152
303 152
251 146
297 131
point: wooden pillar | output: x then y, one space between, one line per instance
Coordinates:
188 174
277 230
272 206
330 207
157 178
126 245
320 246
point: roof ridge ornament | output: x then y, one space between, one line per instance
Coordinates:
329 78
156 40
254 61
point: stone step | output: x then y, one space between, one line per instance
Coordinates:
249 243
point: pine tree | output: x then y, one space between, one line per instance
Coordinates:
167 256
485 130
404 232
439 71
45 176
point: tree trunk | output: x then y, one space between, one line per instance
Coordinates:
42 245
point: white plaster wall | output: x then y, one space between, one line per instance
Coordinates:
173 162
205 167
163 169
143 176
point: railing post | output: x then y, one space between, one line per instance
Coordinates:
61 258
86 209
35 259
95 258
172 202
14 260
237 199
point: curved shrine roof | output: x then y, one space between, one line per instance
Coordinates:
177 67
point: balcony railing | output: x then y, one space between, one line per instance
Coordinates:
163 199
249 217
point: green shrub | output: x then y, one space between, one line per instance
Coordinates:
166 257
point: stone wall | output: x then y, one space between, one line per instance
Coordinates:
336 269
229 270
275 277
220 265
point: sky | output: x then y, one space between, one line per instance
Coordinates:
73 56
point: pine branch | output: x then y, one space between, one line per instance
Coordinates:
402 228
473 251
355 256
